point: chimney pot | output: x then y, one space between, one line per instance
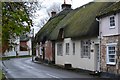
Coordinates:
66 6
53 13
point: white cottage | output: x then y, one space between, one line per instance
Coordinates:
77 42
81 54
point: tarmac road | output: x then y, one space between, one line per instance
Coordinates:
25 68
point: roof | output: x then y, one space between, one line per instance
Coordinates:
24 38
78 23
50 25
114 8
81 22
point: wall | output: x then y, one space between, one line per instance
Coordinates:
76 60
23 46
48 51
119 23
110 68
110 36
29 44
105 26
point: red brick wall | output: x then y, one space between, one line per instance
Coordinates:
48 51
23 46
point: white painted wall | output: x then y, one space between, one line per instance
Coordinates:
76 60
119 23
29 43
105 26
39 50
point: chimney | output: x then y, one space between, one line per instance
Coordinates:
53 13
66 6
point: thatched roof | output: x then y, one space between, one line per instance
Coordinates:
114 8
81 22
50 25
78 23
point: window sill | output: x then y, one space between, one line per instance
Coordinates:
86 57
112 27
111 63
59 55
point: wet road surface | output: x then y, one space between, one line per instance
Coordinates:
25 68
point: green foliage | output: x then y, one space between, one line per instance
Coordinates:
15 20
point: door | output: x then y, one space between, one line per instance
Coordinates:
97 58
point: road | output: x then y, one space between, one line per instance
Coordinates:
25 68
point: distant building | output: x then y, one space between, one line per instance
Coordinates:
20 45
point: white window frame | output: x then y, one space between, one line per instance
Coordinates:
107 51
59 49
85 47
111 22
73 48
67 48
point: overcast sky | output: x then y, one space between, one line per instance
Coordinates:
47 3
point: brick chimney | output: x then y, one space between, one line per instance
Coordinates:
65 6
53 13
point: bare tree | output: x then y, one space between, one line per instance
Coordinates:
56 7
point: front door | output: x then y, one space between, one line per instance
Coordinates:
97 57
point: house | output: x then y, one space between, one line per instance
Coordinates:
109 32
25 45
72 38
45 47
20 45
76 37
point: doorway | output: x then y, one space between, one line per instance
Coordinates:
97 57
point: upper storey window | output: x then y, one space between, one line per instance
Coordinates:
112 21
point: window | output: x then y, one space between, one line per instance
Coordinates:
112 21
85 49
111 54
59 49
73 48
67 48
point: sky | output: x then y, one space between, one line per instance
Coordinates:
41 14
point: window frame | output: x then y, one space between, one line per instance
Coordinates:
112 22
67 48
85 46
107 55
73 48
59 50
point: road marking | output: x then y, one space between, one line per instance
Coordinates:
52 76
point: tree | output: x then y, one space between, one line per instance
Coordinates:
56 7
15 21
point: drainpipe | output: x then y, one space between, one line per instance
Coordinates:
100 52
98 20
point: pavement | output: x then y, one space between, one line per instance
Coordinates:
23 68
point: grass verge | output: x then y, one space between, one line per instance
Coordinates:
2 76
